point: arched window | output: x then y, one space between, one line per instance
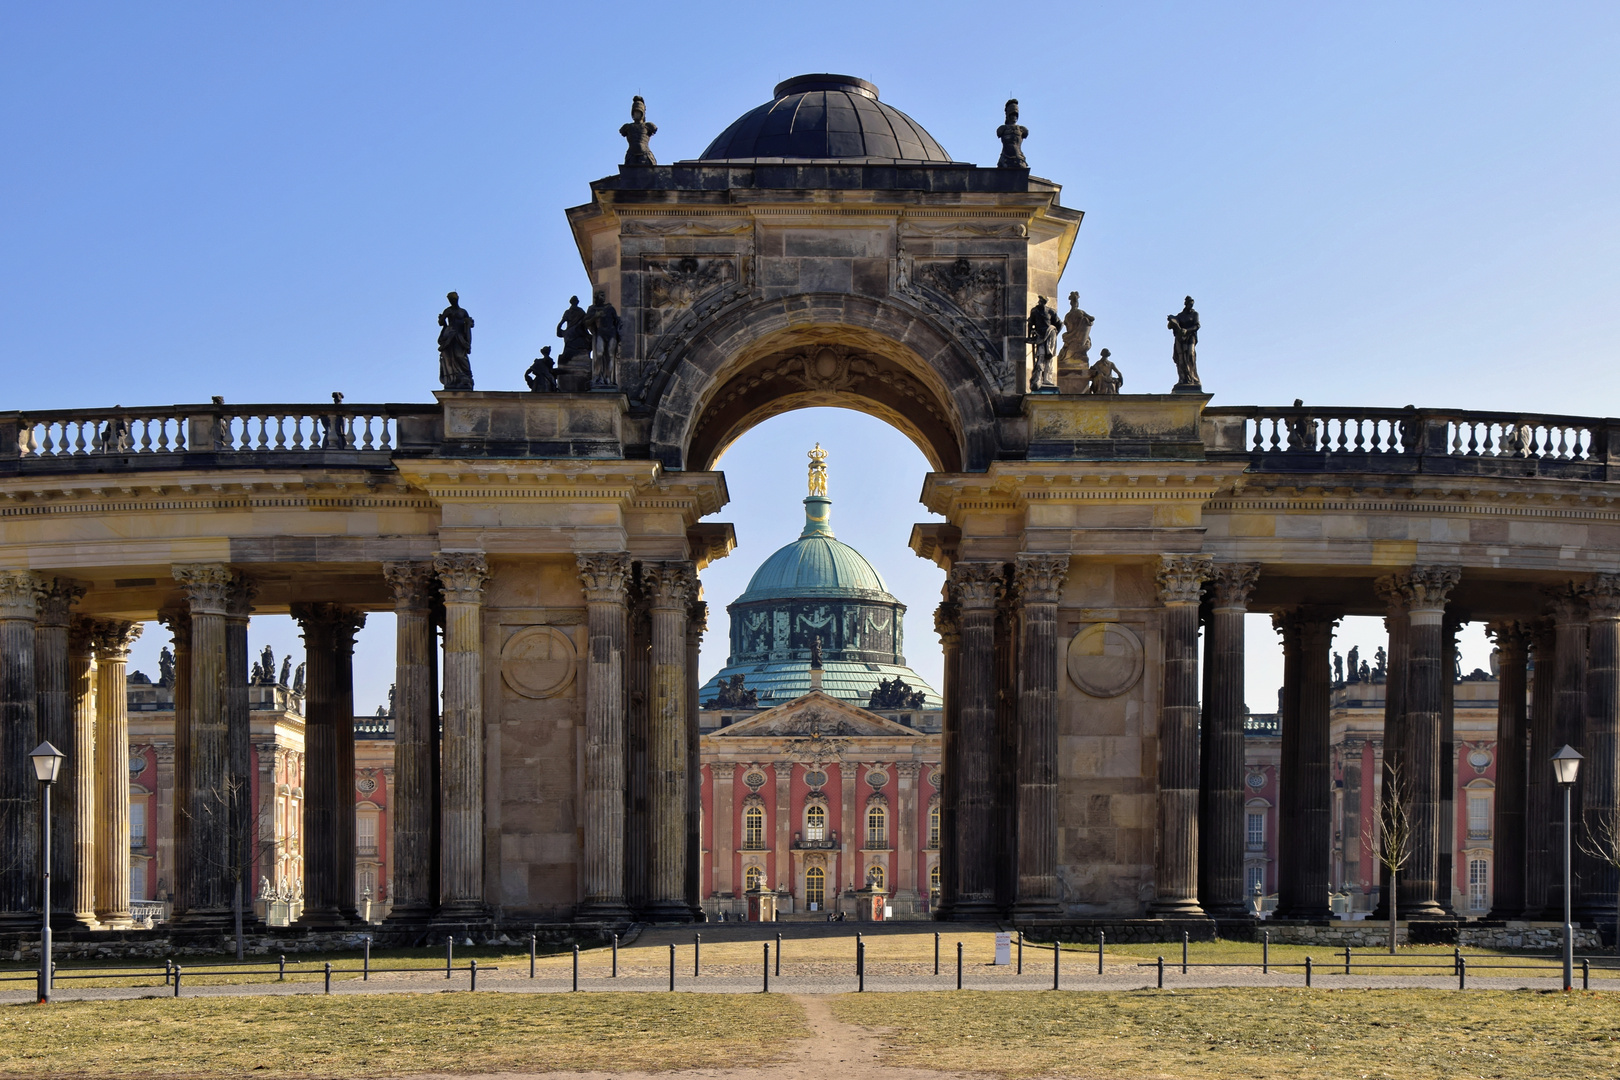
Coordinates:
815 886
933 880
815 823
753 877
754 828
874 876
933 827
877 827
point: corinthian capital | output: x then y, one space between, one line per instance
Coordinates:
1040 577
413 584
669 584
56 604
20 593
1512 637
207 586
1231 584
948 624
240 596
343 622
1423 588
606 577
463 574
1603 596
1566 603
976 585
113 638
1181 578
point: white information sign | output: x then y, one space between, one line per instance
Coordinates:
1003 949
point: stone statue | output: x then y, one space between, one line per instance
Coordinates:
264 887
267 660
1105 377
455 345
1380 664
298 680
735 695
1355 664
542 374
602 320
1185 328
1366 672
286 671
1012 135
1044 325
576 336
255 677
895 694
637 132
1074 361
391 689
165 667
815 652
1338 670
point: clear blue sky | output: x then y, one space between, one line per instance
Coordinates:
1374 204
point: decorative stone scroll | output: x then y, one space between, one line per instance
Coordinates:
1105 659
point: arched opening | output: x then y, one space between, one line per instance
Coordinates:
754 878
815 887
754 829
815 822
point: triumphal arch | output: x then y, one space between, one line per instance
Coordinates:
544 550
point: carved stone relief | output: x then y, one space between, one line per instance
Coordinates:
538 662
1105 659
975 287
678 282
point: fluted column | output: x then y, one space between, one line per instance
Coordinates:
112 639
1221 790
1181 580
1569 612
415 890
1542 855
670 588
948 625
1305 815
1429 664
207 808
239 746
606 578
697 621
54 683
177 620
1040 586
80 767
329 631
1600 803
638 778
976 586
1446 889
1396 629
1512 734
904 887
461 860
20 593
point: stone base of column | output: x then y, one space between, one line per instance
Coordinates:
1175 909
409 916
1230 912
1043 908
1304 914
668 911
464 913
125 923
974 911
201 920
327 920
606 911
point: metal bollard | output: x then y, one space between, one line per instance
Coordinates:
778 955
168 970
765 966
328 968
576 969
449 953
1265 954
1347 959
860 967
615 956
1586 974
936 952
858 944
177 980
1101 937
697 955
281 968
1020 952
1055 962
1456 960
365 970
1462 973
1184 952
531 954
1161 973
672 967
1307 973
472 971
959 965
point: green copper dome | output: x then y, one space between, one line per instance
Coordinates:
816 565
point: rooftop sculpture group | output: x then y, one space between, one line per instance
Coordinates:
1076 374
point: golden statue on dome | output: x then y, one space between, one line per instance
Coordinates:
818 471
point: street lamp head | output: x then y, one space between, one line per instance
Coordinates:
47 762
1566 764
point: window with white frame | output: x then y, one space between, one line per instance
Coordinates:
874 876
1479 816
1479 885
933 827
1256 834
815 823
137 879
137 822
1254 880
752 878
754 829
877 827
365 833
815 887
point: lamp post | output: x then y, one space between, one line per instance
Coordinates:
47 763
1566 765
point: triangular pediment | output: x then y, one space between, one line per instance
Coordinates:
816 716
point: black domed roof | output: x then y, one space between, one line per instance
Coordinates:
821 117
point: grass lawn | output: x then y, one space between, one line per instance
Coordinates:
391 1035
1258 1033
1326 959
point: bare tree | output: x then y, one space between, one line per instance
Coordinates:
1390 836
1599 840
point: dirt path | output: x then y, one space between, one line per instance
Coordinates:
834 1048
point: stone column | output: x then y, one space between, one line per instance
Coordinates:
461 859
670 586
112 640
1305 814
328 837
1600 803
782 834
52 673
20 593
1447 878
1569 611
1543 861
239 745
697 621
725 841
638 780
80 768
904 887
1181 579
1512 735
1428 666
416 744
976 586
1221 789
1039 586
206 808
606 578
948 625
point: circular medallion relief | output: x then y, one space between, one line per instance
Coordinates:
877 778
815 778
366 785
754 779
1257 780
137 764
538 662
1479 759
1105 659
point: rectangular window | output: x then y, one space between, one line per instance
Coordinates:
1479 885
137 879
137 822
1257 830
1479 817
365 834
1254 880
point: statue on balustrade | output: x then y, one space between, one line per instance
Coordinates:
1044 325
542 374
1074 361
637 133
286 671
576 348
602 320
1012 135
298 680
267 663
455 346
1380 670
1302 429
1184 327
1338 669
1355 664
165 667
1105 377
